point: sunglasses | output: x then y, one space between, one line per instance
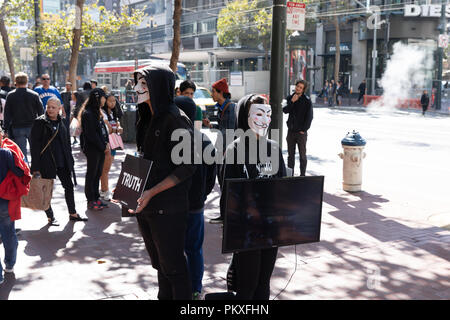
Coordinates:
45 78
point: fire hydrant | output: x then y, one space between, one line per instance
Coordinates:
353 155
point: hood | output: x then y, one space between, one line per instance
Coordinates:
187 105
161 84
242 112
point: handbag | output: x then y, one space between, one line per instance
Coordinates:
115 141
39 195
75 129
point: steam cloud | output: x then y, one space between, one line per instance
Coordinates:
404 76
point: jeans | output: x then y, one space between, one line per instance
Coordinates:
9 239
95 160
297 139
195 233
20 136
66 181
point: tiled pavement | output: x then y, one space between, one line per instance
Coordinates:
366 252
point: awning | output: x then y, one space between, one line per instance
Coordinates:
222 54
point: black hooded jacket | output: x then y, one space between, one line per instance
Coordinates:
157 146
204 177
41 133
249 169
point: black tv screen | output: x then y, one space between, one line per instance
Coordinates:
265 213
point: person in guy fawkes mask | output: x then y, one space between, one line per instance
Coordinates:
162 210
251 270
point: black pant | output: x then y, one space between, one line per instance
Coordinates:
253 272
164 237
424 108
297 139
66 181
361 96
95 160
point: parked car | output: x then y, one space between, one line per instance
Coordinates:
203 99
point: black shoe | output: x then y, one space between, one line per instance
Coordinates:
53 222
216 220
77 218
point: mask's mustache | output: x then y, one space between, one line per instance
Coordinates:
141 92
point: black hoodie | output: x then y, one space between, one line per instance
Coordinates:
249 170
157 145
204 177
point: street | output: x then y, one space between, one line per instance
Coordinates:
390 241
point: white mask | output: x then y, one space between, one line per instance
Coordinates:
141 89
259 118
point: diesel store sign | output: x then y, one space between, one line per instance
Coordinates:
426 10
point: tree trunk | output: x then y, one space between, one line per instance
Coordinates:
176 35
9 57
73 63
338 50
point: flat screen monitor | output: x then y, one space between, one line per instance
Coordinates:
276 212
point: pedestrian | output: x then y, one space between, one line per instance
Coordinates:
37 82
73 103
21 108
250 271
362 90
51 155
5 84
177 91
330 94
300 110
324 92
94 143
13 170
203 182
66 97
339 93
227 121
424 101
3 95
94 84
163 208
187 89
46 91
111 119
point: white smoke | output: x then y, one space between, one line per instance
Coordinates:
404 77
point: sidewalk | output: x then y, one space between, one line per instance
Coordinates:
365 252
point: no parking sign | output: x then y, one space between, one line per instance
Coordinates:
295 16
443 41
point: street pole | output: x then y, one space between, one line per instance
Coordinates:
442 30
37 22
374 55
277 66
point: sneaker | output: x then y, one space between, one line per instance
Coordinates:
197 296
9 270
93 205
77 218
105 195
216 220
101 203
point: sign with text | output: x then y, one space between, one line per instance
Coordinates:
295 16
132 181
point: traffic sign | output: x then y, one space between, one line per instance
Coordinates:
443 41
295 16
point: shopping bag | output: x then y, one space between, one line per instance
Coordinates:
115 141
75 129
40 194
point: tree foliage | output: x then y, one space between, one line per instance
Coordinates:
57 30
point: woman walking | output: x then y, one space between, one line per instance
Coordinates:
51 155
94 142
251 270
111 119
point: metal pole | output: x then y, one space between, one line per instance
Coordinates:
442 30
374 54
277 65
37 22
